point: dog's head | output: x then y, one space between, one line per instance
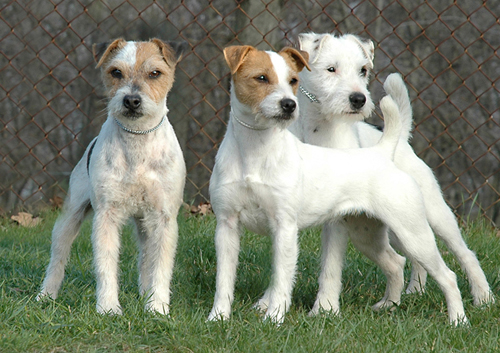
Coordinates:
340 73
266 82
137 75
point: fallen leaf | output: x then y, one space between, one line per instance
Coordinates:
202 209
57 202
26 219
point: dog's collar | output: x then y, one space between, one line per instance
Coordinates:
139 132
309 95
248 126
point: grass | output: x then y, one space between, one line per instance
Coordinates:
71 324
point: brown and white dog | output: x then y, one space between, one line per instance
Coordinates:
265 179
134 168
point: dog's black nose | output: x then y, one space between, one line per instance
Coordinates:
132 101
357 100
288 105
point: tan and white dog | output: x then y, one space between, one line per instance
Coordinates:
334 102
267 180
134 168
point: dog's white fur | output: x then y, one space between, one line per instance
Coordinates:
333 122
267 180
127 175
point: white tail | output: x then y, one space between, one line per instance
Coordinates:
396 88
392 128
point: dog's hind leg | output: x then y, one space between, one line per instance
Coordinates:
334 239
227 246
416 238
158 259
418 277
370 236
66 229
444 224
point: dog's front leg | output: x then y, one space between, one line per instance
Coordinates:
227 246
159 243
106 245
334 239
285 249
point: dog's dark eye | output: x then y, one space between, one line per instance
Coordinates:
262 78
116 74
293 81
363 71
154 74
331 69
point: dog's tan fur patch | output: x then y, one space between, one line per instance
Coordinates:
151 57
249 89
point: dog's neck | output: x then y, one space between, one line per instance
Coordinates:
328 131
141 126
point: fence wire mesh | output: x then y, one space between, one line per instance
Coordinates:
50 105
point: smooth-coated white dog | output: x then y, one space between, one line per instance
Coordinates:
267 180
334 101
134 168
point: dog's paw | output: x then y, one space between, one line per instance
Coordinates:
109 310
262 304
384 304
459 321
158 308
321 306
484 298
217 315
275 315
415 287
44 295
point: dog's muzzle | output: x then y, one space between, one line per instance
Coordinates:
132 103
288 106
357 100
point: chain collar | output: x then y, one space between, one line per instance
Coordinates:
248 126
139 132
309 95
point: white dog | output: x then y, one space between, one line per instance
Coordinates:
134 168
267 180
334 101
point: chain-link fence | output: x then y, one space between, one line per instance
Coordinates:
50 106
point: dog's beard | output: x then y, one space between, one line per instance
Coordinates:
132 114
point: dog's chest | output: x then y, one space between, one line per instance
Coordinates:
139 182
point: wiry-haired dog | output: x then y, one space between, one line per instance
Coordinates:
334 101
267 180
134 168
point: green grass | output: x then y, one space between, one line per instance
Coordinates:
71 324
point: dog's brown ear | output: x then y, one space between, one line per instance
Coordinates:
102 51
171 51
298 57
235 55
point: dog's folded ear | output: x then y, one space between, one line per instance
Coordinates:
312 43
235 55
365 44
299 58
180 48
103 51
171 51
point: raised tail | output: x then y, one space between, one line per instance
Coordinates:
392 128
396 88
